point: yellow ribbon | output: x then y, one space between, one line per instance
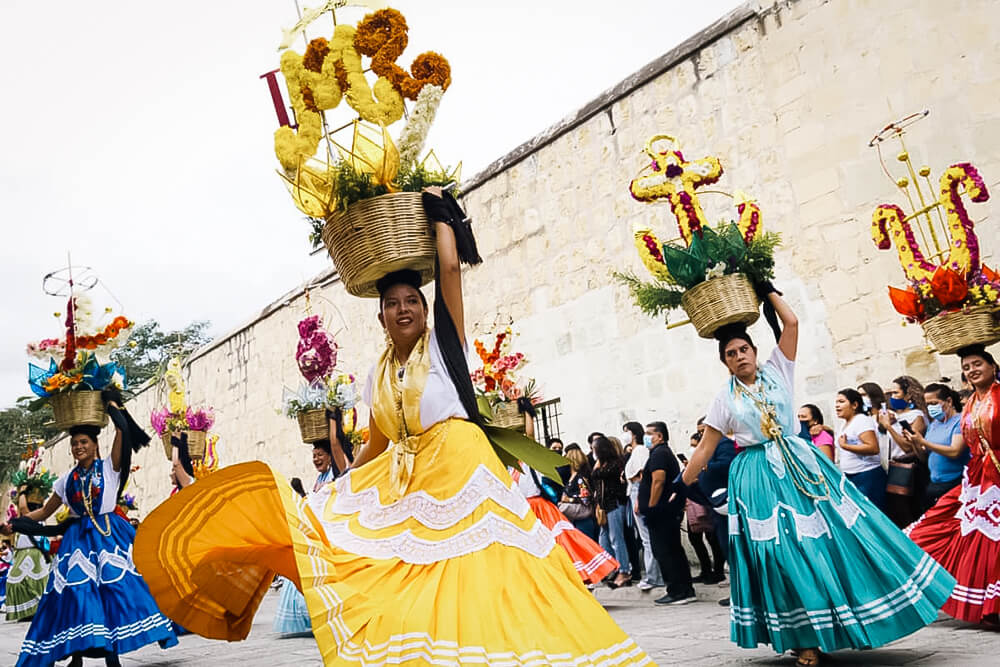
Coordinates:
396 408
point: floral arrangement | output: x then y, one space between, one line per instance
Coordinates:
177 415
75 361
707 252
498 379
128 503
32 475
164 421
960 280
333 70
316 356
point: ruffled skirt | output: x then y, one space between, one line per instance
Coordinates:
95 602
458 570
26 583
591 561
292 615
962 533
830 574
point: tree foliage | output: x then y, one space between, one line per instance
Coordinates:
150 348
22 429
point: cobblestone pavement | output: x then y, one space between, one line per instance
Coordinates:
694 634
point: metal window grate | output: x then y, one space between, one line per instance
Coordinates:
547 416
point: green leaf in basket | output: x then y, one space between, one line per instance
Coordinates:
687 265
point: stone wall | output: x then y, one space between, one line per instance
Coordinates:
787 95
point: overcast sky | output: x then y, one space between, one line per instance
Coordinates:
138 136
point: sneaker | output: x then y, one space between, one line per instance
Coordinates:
677 599
645 586
724 602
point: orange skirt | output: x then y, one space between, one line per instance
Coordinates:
590 560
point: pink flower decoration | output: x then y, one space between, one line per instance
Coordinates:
200 420
316 353
158 420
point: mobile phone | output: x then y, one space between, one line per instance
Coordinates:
905 425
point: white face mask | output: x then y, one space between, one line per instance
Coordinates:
627 438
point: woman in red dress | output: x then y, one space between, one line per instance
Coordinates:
962 531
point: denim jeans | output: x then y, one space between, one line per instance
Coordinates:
652 575
613 538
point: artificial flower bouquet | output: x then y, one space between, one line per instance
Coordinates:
79 368
32 478
361 192
498 385
711 274
952 294
177 417
324 389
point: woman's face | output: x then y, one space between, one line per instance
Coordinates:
844 408
84 448
895 391
805 415
403 314
978 371
932 398
321 459
741 358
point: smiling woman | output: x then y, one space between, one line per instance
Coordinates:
399 558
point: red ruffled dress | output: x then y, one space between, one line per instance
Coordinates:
590 560
962 531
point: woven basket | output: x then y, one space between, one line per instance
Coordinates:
314 426
506 415
76 408
721 301
950 332
197 443
377 236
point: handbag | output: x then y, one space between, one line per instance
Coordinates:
599 513
575 511
900 478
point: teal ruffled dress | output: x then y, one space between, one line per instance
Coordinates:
813 563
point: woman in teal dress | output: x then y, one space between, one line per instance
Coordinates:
814 565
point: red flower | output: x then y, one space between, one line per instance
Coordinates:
906 302
949 287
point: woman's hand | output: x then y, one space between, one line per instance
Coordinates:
843 439
885 420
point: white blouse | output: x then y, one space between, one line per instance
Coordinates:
722 419
440 399
108 497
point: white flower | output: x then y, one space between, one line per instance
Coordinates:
414 134
716 271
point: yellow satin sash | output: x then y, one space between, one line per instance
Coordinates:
396 407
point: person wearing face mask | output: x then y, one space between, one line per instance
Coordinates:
664 511
943 445
633 433
812 427
907 468
873 404
960 531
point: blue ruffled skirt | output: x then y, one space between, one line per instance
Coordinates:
292 615
828 573
95 602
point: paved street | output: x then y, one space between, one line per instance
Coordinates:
695 634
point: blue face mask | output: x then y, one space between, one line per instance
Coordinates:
648 441
898 404
936 411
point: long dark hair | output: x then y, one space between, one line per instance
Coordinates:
604 451
854 398
913 391
635 428
945 393
814 412
875 395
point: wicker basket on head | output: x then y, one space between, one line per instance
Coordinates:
314 426
950 332
78 408
721 301
377 236
197 443
506 415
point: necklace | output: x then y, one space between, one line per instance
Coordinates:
770 426
88 505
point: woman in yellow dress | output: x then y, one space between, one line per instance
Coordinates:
425 552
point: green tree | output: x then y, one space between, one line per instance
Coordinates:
20 427
150 347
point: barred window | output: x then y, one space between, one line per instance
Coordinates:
547 416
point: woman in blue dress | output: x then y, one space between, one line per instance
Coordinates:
814 565
96 604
